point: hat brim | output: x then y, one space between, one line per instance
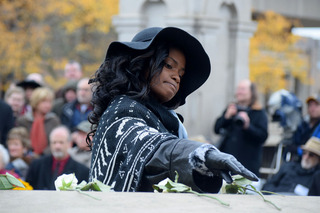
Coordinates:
197 61
304 147
28 84
312 99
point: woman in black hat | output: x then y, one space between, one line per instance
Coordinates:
138 139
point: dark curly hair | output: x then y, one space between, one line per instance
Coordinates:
127 74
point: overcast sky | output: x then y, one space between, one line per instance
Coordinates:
311 32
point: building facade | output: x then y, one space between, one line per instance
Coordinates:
224 27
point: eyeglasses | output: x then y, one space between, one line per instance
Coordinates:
309 153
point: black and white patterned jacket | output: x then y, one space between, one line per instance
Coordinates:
136 145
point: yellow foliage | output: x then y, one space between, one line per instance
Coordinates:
274 55
95 15
30 31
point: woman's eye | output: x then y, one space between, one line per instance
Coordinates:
168 66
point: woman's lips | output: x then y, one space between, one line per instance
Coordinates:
172 85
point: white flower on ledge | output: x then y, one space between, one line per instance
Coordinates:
66 182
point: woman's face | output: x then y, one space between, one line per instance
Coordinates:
16 148
44 106
16 101
166 85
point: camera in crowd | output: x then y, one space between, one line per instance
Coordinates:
238 120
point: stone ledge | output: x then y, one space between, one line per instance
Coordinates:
53 201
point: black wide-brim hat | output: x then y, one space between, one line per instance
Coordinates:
197 68
28 84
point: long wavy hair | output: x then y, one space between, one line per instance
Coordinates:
127 74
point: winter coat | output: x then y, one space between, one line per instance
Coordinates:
136 145
40 175
81 156
289 176
50 122
71 115
244 144
303 133
7 121
315 185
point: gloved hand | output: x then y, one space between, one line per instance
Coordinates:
223 163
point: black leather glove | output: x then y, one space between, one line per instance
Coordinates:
223 163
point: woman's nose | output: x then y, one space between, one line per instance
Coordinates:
175 76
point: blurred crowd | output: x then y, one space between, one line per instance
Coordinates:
43 133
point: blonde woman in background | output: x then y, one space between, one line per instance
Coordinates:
41 120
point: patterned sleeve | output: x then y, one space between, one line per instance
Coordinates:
127 136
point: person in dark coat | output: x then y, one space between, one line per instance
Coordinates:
315 185
7 121
74 112
306 128
244 127
294 177
138 139
68 94
44 171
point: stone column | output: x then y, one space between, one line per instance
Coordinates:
241 32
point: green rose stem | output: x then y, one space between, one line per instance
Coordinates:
264 199
240 185
212 197
81 192
237 188
170 186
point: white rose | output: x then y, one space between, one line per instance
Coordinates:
223 187
162 186
66 182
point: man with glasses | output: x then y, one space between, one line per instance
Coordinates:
296 178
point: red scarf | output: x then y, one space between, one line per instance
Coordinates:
38 135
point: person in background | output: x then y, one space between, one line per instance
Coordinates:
28 86
41 120
314 189
296 177
316 132
307 127
6 121
15 97
73 71
20 151
69 94
78 110
4 160
44 171
244 127
81 152
37 77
